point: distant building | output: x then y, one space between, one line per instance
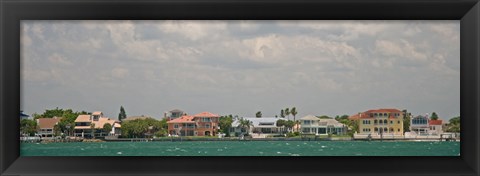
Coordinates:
423 125
266 125
380 122
83 128
23 116
46 125
202 124
314 125
173 114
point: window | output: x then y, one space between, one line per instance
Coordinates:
398 122
398 129
366 129
266 123
385 121
371 114
391 121
207 125
205 119
306 122
366 121
385 114
380 114
376 114
375 121
376 129
306 130
175 126
419 120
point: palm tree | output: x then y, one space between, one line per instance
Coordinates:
294 112
244 123
282 113
287 112
92 128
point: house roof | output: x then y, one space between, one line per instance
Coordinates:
206 114
309 117
48 122
182 119
23 115
176 110
97 113
266 122
366 114
102 121
330 122
435 122
83 118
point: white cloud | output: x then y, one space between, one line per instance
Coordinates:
60 60
194 30
286 62
404 49
120 72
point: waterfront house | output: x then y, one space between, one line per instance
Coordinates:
46 125
422 125
83 126
173 114
314 125
265 125
202 124
380 122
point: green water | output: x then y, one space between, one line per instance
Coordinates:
244 148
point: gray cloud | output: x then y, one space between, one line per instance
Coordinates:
240 67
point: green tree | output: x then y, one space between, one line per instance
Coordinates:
434 116
354 127
294 112
258 114
107 128
454 125
287 112
281 123
225 123
67 114
138 128
324 117
28 127
290 124
406 120
244 123
282 113
122 115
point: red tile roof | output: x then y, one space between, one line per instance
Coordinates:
435 122
366 114
183 119
206 114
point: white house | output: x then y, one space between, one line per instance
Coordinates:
422 125
314 125
83 125
266 125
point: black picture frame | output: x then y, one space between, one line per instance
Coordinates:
13 11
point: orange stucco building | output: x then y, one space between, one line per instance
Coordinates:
202 124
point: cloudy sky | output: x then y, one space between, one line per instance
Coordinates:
241 67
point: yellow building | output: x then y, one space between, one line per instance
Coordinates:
379 122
